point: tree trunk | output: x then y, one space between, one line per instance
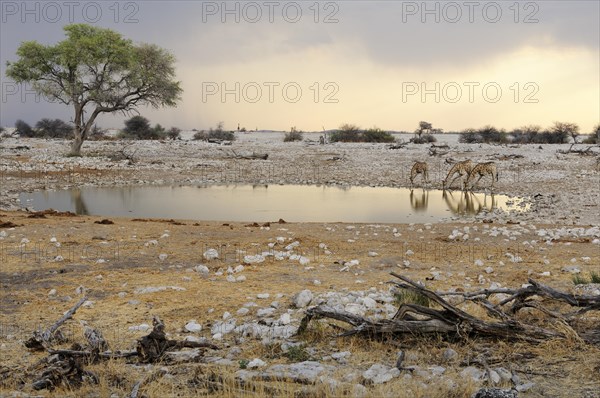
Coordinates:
76 145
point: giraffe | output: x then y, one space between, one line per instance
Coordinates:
419 168
482 170
462 168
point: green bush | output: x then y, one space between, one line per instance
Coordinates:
351 133
297 353
48 128
215 134
377 135
346 133
423 139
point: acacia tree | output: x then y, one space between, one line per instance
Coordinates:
96 71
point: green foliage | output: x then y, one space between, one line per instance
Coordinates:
409 297
23 129
582 280
297 353
293 135
424 139
351 133
96 71
243 363
137 127
377 135
346 133
56 128
215 134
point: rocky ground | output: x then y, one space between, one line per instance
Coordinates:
246 287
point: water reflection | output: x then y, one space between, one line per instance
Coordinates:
419 202
465 202
261 202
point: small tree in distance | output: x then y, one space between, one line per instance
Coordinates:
97 71
24 129
293 135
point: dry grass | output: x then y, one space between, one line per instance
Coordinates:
554 366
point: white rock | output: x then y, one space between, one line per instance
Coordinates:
52 292
202 269
285 319
263 295
256 363
379 374
256 259
373 254
302 299
211 254
163 256
193 326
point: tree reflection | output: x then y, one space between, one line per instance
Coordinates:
77 200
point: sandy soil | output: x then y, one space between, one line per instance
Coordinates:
49 262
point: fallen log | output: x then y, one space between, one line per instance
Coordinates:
583 152
252 156
454 322
151 348
41 339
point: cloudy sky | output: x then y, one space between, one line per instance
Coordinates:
315 65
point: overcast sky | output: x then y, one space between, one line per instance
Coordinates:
314 65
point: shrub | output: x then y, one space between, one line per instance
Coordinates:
297 353
377 135
174 133
469 136
23 129
98 134
293 135
215 134
490 134
423 139
200 135
56 128
346 133
351 133
582 280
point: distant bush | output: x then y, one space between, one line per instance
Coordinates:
591 139
138 128
346 133
377 135
98 134
293 135
24 129
469 136
53 128
200 135
558 134
423 139
174 133
351 133
484 135
215 134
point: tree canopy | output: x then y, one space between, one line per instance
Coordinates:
97 70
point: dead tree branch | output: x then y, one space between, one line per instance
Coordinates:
41 339
454 322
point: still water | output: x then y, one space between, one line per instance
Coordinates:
261 203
